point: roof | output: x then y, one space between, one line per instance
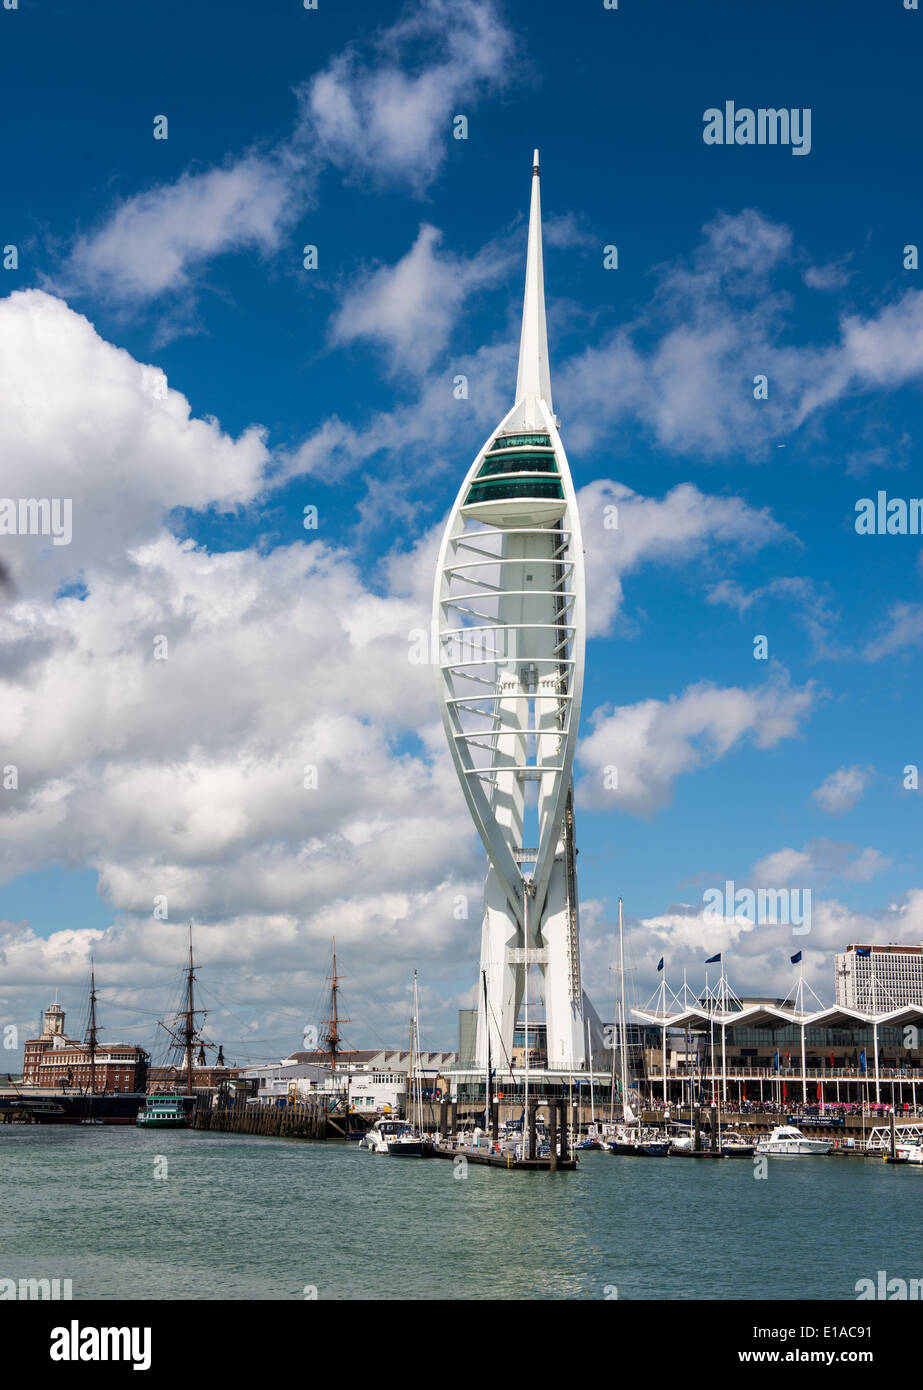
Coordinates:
769 1016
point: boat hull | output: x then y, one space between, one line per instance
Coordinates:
115 1109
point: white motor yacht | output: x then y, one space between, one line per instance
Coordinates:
384 1133
786 1141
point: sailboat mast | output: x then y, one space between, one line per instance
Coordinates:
589 1057
622 1028
488 1096
413 1031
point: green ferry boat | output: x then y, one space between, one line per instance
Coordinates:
163 1112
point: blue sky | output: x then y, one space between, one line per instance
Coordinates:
290 387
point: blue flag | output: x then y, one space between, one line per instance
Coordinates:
863 951
863 1062
711 959
795 958
775 1061
660 966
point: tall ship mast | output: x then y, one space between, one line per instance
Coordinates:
331 1037
185 1032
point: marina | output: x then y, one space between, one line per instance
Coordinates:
239 1216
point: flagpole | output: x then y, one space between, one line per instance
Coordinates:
724 1009
875 1023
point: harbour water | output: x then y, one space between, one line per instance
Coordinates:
253 1218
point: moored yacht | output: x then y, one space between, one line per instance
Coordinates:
786 1141
382 1134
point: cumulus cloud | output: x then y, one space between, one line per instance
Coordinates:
820 861
84 421
410 308
651 743
713 324
392 121
153 241
843 789
756 956
382 114
623 529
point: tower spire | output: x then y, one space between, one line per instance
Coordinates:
534 379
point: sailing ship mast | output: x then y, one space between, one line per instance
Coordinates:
92 1029
332 1037
186 1034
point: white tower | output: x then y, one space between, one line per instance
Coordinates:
509 609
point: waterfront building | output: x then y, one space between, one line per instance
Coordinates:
369 1081
53 1060
890 975
756 1052
510 628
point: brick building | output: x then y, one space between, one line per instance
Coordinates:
54 1060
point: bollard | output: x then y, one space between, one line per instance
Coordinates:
533 1112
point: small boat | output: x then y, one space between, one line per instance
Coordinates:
908 1153
633 1139
786 1141
383 1134
409 1145
163 1112
734 1145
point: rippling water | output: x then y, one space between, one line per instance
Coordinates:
247 1217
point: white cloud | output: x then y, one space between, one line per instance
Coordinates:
392 121
83 420
673 529
902 628
411 308
153 241
841 790
711 327
812 605
820 861
655 741
383 115
757 957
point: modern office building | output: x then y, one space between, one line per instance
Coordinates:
879 978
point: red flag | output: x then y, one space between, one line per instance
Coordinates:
784 1091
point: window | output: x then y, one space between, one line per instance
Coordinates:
518 463
498 491
517 441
